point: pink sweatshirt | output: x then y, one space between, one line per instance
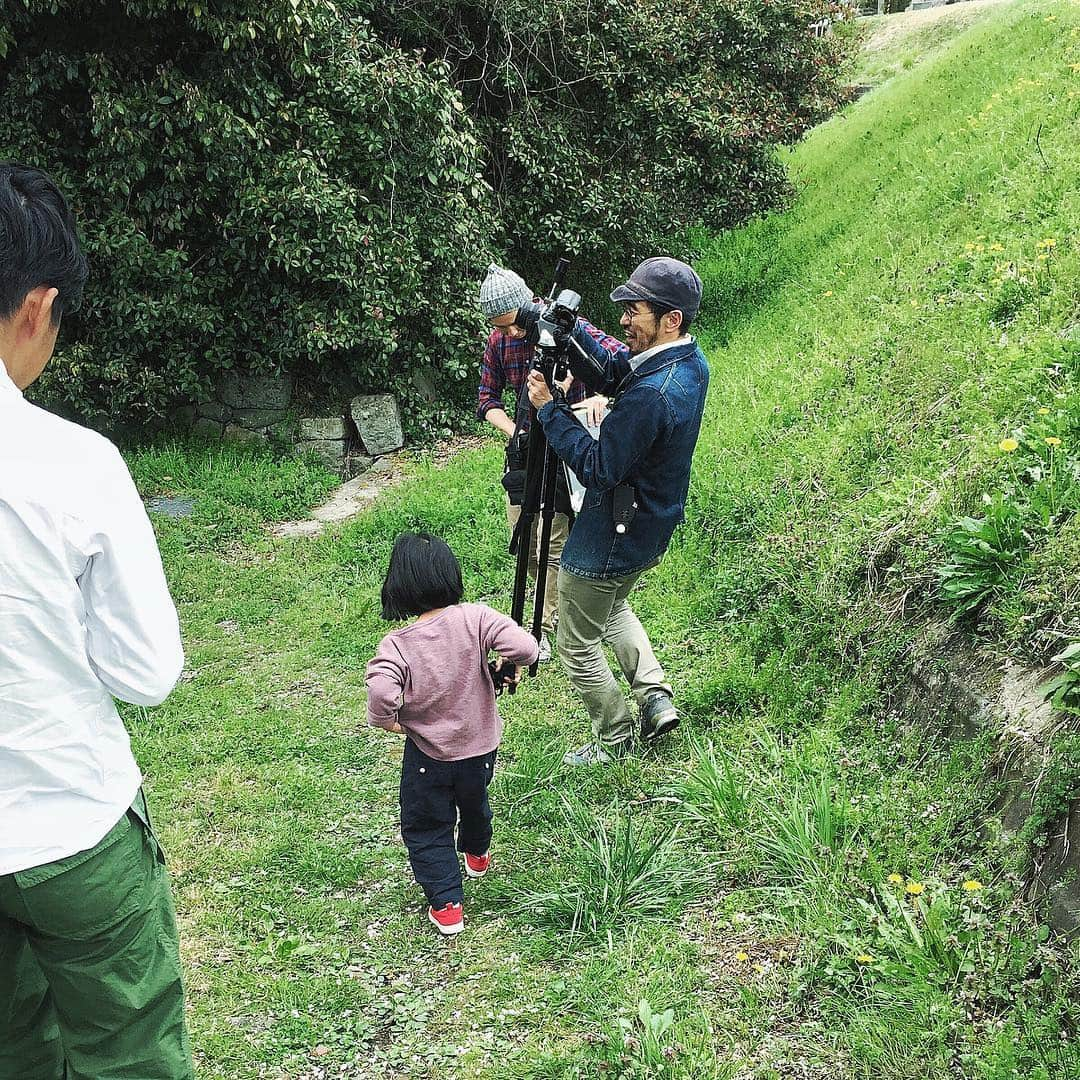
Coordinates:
432 678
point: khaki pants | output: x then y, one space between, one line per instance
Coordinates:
89 967
560 529
594 612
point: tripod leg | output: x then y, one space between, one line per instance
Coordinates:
530 507
543 558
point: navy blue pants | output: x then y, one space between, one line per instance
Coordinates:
433 796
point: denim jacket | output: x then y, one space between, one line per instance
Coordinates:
647 441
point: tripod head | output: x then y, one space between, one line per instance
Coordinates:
549 325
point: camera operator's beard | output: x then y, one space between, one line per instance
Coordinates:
638 340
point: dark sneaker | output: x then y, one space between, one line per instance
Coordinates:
658 716
595 754
477 865
448 919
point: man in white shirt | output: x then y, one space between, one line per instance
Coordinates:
89 967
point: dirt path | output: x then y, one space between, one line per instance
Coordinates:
356 495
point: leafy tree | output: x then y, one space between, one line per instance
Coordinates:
297 185
612 127
266 187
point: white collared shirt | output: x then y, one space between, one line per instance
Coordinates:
641 357
85 615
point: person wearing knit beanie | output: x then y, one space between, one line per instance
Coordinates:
507 359
503 292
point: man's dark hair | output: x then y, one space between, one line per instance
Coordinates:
660 311
38 242
424 574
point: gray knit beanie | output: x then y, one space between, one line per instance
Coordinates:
502 291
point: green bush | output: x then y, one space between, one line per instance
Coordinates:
611 127
271 189
315 188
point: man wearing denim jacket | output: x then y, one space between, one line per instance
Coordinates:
636 477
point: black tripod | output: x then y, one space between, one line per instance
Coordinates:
550 327
541 479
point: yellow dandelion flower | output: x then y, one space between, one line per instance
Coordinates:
1044 411
914 303
972 885
1075 67
913 888
864 958
1052 440
827 292
742 957
1048 242
979 248
1043 257
896 879
1050 18
1008 445
997 247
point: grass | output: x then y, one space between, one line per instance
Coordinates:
698 911
896 43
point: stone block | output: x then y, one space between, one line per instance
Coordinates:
322 427
214 410
205 428
355 464
258 418
330 452
241 391
378 421
425 387
237 434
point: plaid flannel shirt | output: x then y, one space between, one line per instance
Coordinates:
507 361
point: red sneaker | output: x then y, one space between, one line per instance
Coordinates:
477 865
448 919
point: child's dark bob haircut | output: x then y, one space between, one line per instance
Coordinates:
423 575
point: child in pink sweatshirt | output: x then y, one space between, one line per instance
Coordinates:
430 681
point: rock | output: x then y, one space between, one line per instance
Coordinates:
322 427
425 387
258 418
378 421
237 434
214 410
174 508
330 452
207 429
241 391
355 464
1057 878
185 415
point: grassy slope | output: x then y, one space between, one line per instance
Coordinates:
845 394
895 43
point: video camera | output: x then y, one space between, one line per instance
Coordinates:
549 324
549 328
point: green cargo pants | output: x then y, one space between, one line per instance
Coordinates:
594 612
89 965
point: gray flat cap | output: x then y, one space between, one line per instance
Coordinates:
666 282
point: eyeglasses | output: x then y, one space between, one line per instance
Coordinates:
633 313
